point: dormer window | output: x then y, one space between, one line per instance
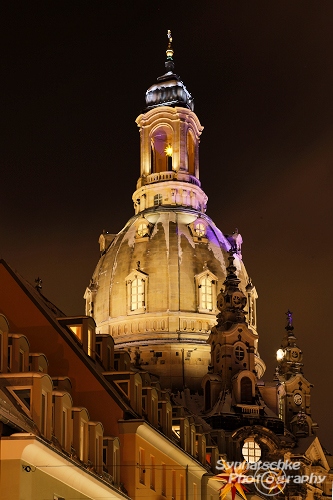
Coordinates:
137 294
136 284
200 230
206 286
142 230
206 293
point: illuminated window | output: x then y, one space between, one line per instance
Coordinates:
206 289
206 293
136 284
158 200
137 294
239 353
161 146
77 330
90 342
200 230
251 451
142 230
191 153
176 429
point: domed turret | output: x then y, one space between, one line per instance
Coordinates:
169 89
155 286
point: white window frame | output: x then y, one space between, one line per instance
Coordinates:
202 280
139 280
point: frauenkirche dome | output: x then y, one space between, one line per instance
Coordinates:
155 286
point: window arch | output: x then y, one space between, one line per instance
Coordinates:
191 153
161 149
246 390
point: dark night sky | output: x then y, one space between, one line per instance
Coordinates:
74 75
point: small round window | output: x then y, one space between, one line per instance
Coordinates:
251 451
200 230
239 353
142 230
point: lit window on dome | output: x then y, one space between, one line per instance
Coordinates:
206 293
251 451
200 230
239 353
142 230
137 294
158 200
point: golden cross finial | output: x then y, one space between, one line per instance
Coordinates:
169 51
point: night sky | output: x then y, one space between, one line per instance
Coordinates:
74 76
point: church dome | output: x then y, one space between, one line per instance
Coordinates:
155 287
170 250
156 284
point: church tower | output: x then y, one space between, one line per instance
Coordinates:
293 388
156 284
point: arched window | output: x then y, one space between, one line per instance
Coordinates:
251 451
191 153
162 149
246 390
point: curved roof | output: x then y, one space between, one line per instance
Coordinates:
171 254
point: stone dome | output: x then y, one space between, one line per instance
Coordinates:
178 257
